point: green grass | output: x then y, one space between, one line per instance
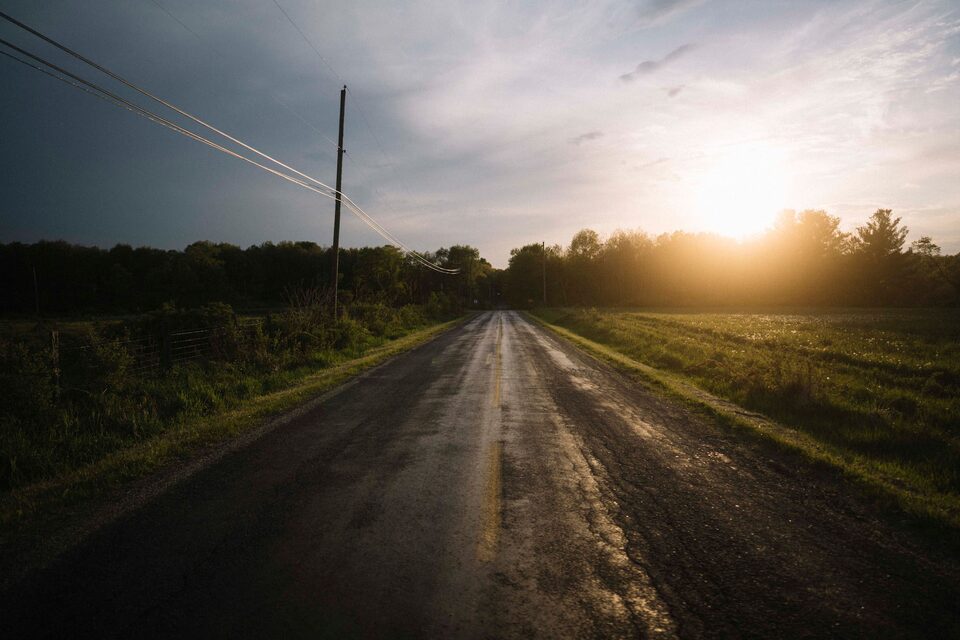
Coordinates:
204 406
873 392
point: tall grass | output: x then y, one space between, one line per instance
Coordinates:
103 403
879 388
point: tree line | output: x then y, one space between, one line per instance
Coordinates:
803 260
63 278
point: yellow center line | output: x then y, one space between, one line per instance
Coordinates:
489 537
498 372
490 533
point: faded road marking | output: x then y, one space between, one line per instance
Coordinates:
498 372
490 533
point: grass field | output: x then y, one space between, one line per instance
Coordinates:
877 391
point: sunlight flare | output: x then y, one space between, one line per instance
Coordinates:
741 192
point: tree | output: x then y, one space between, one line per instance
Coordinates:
932 267
878 246
467 260
925 247
803 258
583 263
524 275
881 237
622 274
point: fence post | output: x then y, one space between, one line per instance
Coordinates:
55 360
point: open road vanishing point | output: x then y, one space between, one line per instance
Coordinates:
496 482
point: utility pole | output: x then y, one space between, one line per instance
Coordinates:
543 250
336 206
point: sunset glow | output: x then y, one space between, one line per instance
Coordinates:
480 123
741 191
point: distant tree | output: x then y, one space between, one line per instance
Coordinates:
376 274
583 268
878 246
881 237
623 271
472 267
925 247
523 281
585 245
932 270
803 258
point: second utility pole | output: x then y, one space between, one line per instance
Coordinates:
336 206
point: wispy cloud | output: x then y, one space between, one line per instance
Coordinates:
858 96
654 163
650 66
656 12
586 137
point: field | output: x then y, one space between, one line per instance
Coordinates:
877 390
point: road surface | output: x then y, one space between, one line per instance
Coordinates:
496 483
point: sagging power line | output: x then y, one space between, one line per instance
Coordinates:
87 86
354 100
170 14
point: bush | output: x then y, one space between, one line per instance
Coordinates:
29 391
350 334
376 317
441 306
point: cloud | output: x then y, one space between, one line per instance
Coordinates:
857 96
649 66
653 12
654 163
586 137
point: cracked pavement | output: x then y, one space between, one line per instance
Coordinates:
496 482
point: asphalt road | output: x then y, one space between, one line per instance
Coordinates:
497 483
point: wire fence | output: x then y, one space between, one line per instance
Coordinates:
157 352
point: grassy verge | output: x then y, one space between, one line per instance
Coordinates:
873 394
194 432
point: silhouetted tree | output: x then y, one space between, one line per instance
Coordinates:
805 259
73 279
878 248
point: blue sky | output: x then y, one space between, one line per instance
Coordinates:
492 124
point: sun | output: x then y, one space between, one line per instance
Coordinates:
741 191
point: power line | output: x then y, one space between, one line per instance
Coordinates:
373 133
354 102
90 87
307 40
155 98
275 97
94 89
310 44
338 77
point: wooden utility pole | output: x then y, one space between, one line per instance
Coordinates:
543 250
336 206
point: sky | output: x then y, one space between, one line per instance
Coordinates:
489 124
